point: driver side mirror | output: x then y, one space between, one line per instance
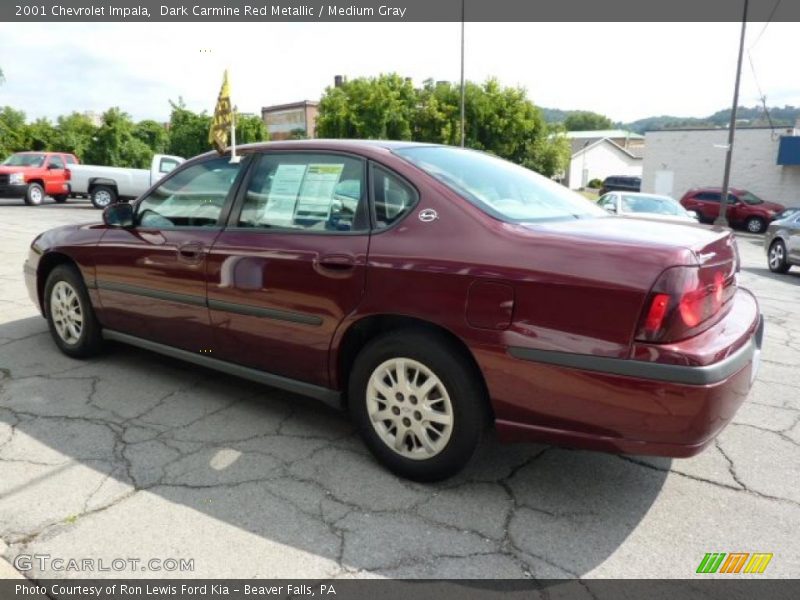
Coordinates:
118 215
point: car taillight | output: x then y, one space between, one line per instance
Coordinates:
67 174
686 301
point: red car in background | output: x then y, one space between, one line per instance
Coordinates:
744 208
34 175
429 290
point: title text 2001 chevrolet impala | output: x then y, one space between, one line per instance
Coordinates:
431 290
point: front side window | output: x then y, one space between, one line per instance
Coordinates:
306 192
750 198
193 197
500 188
56 162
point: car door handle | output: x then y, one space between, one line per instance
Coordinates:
190 250
337 262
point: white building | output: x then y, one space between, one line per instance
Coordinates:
599 154
677 160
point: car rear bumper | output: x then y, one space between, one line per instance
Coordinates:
13 191
630 406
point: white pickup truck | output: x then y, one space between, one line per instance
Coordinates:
106 185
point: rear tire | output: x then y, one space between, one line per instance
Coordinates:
70 315
776 257
755 225
34 195
103 196
418 403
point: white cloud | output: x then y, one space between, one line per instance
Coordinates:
626 71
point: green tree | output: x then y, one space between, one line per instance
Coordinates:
153 134
380 107
41 135
500 120
584 120
114 144
13 131
188 131
249 129
75 133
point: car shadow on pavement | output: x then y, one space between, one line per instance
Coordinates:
134 454
791 277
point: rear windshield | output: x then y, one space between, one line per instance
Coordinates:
24 160
500 188
651 204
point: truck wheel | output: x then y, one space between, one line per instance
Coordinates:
61 198
34 195
418 404
103 196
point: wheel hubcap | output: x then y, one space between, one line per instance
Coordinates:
102 198
754 226
409 408
65 310
776 256
36 195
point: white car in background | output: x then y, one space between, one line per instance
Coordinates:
647 206
107 185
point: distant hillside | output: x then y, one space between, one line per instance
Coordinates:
754 117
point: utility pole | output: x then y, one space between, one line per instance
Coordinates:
462 73
722 219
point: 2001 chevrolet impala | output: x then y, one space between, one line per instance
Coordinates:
431 290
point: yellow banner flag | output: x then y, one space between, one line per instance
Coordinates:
223 117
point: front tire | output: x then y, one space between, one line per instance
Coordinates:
70 315
103 196
776 257
755 225
419 404
34 195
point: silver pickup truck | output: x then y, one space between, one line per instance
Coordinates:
106 185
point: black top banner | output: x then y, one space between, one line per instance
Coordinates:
399 10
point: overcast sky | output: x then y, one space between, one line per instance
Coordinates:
626 71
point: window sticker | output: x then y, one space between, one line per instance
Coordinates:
316 191
283 192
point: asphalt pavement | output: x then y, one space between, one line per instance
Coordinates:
136 457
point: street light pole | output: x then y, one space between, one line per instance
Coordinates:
462 73
722 219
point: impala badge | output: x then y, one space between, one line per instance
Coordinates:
427 215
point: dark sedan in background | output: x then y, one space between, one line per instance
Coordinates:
430 290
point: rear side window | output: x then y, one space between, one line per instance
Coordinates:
393 197
708 196
70 159
307 192
56 162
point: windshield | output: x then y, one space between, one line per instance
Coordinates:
749 198
500 188
660 205
24 160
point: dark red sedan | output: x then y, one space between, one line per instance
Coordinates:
430 290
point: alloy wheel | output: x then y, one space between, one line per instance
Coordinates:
65 308
102 198
776 256
409 408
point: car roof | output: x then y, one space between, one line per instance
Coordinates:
342 145
731 190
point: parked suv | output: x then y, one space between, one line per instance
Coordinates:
33 175
744 208
621 183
